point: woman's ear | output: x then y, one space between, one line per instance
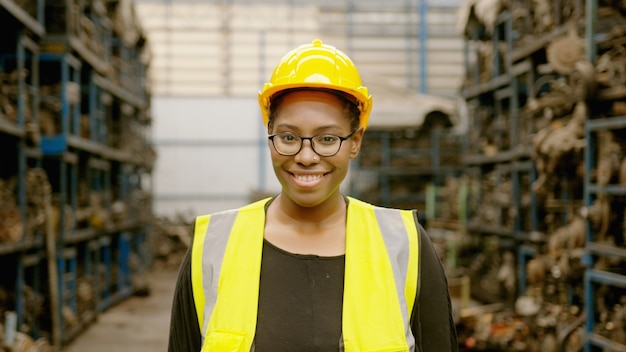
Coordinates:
355 143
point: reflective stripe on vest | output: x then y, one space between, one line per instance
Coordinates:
380 284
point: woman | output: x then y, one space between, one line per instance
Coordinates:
311 269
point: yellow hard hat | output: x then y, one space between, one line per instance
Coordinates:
317 65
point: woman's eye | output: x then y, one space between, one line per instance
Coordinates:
328 139
288 137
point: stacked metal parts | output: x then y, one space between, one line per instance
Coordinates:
74 128
544 248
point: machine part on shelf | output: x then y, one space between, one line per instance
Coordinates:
38 187
496 206
565 52
9 90
583 80
611 320
554 99
486 59
11 224
33 134
85 299
33 308
616 324
11 228
54 217
119 212
478 13
99 215
611 67
506 274
124 21
543 16
70 320
618 108
567 238
527 306
7 191
536 270
484 273
89 34
572 335
609 157
599 213
557 148
50 111
521 19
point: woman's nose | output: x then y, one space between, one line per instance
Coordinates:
307 155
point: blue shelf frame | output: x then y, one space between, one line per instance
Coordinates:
63 154
26 253
594 341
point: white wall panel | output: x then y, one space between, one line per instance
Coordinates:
210 119
207 171
212 153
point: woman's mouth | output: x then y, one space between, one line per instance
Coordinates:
307 180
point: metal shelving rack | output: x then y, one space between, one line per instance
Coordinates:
77 146
496 152
597 250
19 55
401 169
504 207
600 250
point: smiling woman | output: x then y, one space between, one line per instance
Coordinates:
311 269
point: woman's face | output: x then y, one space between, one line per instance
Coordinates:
307 178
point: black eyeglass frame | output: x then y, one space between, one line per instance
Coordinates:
302 139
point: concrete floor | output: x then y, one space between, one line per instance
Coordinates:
137 324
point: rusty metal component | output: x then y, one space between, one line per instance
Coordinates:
9 90
582 79
495 208
50 110
69 219
609 155
538 330
563 53
37 188
612 318
543 16
567 238
554 99
11 228
34 308
558 147
85 300
477 14
599 213
611 67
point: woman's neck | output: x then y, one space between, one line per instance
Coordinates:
329 212
319 230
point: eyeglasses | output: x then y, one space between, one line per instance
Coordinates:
289 144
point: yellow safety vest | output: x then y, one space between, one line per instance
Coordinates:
380 284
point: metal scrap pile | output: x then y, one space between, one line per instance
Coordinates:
560 94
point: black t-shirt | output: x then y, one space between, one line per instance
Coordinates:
300 304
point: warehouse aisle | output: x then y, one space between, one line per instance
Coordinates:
138 324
